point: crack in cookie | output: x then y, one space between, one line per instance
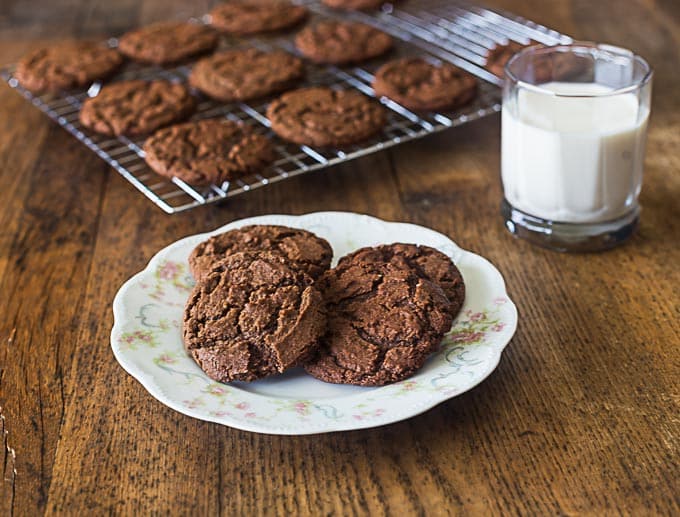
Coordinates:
383 323
252 316
303 250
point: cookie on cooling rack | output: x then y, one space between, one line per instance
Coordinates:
383 323
427 263
423 86
351 5
136 107
207 151
168 42
243 17
303 250
252 316
71 64
339 42
243 74
500 55
321 116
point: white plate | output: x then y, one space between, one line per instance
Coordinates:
147 342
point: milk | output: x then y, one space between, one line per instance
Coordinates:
573 159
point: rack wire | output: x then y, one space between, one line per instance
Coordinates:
456 32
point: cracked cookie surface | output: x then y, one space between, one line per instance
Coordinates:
70 64
252 316
304 250
168 42
323 117
207 151
246 74
342 42
136 107
383 323
420 85
242 17
428 263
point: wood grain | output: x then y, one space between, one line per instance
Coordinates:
581 417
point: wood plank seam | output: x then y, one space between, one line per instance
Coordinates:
9 473
395 178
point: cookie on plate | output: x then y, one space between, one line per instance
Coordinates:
207 151
339 42
168 42
243 74
350 5
136 107
419 85
251 317
321 116
303 250
428 263
383 323
71 64
243 17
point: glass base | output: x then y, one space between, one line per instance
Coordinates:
569 236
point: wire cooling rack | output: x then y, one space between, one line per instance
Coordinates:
438 29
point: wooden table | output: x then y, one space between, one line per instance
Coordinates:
582 415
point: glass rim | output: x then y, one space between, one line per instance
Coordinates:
585 45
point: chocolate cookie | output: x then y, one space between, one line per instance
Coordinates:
321 116
67 65
136 107
383 323
428 263
302 249
243 17
167 42
342 42
420 85
252 316
350 5
246 74
207 151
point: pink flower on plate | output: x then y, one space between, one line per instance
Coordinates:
358 417
408 386
467 337
498 327
168 271
378 412
500 301
301 407
216 389
475 336
250 415
242 406
477 316
166 359
193 404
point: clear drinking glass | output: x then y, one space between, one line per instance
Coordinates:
574 126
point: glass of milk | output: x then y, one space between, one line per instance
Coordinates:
574 125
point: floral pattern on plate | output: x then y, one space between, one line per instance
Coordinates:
147 340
